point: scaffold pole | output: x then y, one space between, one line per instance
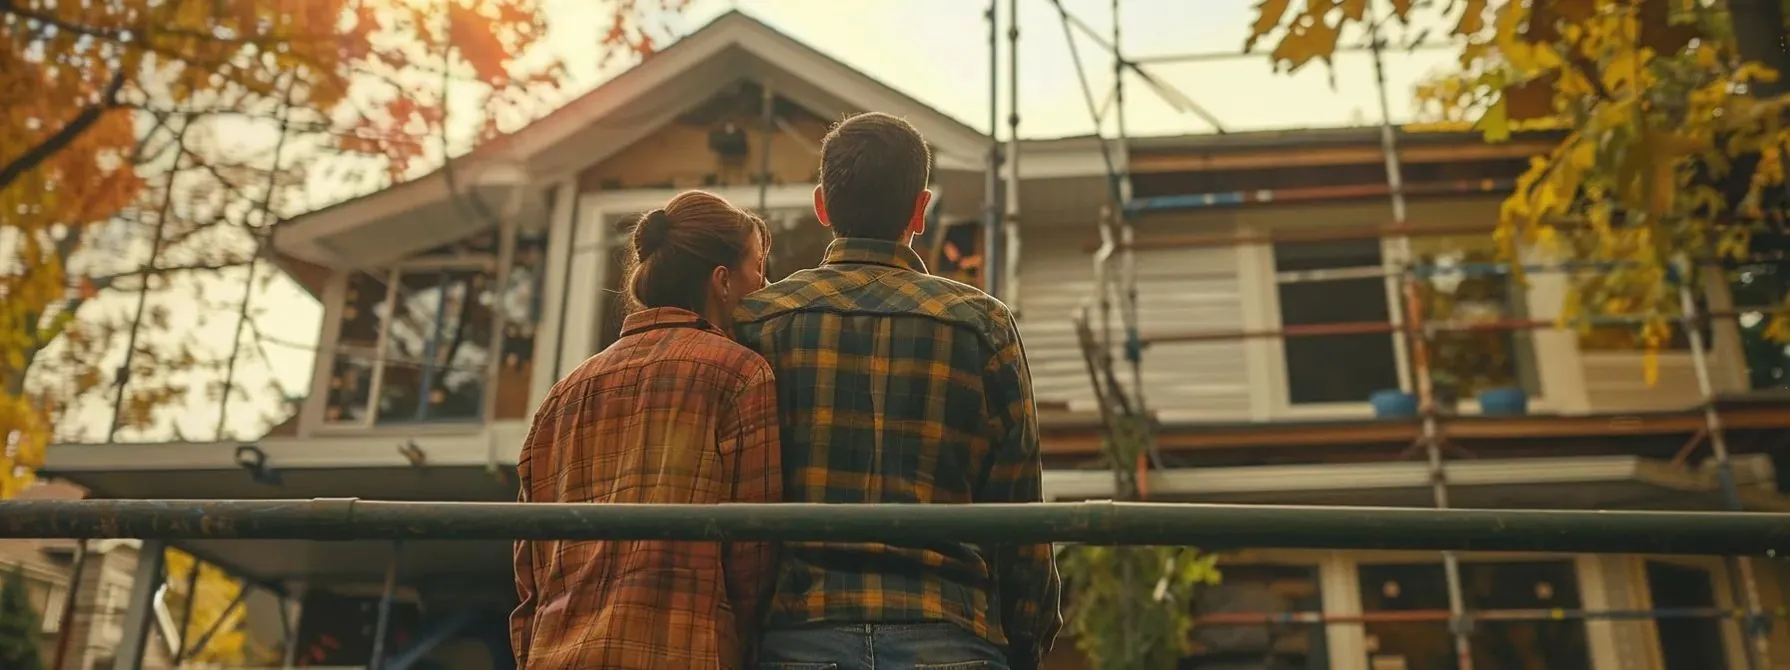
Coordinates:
1740 577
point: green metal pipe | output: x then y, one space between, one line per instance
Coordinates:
1208 526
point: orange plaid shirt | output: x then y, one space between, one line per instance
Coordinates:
673 412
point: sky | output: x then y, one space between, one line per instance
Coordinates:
909 44
937 52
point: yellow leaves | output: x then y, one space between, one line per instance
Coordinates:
210 599
1778 330
1309 34
1495 123
24 433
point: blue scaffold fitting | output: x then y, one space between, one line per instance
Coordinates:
1673 277
1134 346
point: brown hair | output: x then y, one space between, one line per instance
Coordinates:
872 168
677 247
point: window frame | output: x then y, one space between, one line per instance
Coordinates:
380 356
1392 252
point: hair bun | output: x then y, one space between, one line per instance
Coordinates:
653 232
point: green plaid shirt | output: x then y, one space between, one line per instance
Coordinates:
895 386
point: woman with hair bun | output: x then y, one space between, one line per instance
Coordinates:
673 412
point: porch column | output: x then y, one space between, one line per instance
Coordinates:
292 608
145 582
1340 586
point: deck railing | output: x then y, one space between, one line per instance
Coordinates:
1100 522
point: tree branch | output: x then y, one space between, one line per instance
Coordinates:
104 282
66 135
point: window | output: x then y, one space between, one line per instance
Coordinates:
1427 644
1462 281
1759 290
1330 283
53 607
1686 643
113 598
414 342
1259 589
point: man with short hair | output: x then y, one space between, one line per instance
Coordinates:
895 386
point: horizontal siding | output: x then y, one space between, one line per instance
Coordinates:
1616 382
1179 290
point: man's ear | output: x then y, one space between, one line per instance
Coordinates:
916 224
820 207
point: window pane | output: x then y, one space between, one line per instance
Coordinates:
1260 589
416 315
350 382
438 347
1338 301
455 394
1291 256
1544 645
1337 368
1422 645
400 391
1685 643
361 308
520 299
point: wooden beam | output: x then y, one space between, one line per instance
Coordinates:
1071 441
1213 161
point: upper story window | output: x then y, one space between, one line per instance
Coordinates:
1327 283
414 341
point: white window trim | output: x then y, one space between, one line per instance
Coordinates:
1272 397
312 417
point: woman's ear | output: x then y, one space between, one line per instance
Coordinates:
721 281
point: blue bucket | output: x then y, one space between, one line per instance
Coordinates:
1504 401
1393 404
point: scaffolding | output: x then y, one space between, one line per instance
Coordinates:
1123 406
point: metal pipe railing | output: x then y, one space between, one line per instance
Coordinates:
1100 522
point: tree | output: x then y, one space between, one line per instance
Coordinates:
19 625
179 132
210 600
1669 160
146 147
1131 607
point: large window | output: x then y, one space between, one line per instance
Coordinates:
1331 283
1421 590
414 341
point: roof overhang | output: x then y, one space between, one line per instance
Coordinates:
1607 482
411 216
454 467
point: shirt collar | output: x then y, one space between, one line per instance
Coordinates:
874 252
656 318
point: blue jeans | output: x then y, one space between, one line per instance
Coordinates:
916 646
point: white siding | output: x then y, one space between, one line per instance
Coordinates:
1179 290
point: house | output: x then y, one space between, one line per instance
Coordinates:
450 311
96 626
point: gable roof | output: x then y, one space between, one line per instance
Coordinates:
626 109
809 75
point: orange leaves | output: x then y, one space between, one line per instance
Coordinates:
482 48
